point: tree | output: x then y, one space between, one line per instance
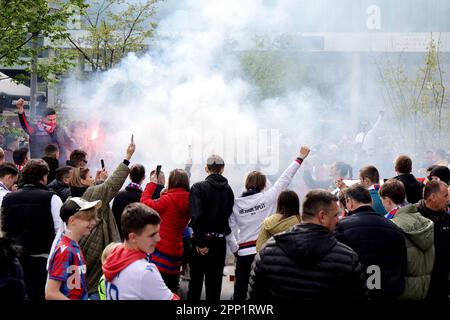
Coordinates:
25 21
28 29
115 28
418 99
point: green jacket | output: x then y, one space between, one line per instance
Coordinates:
106 230
273 225
419 238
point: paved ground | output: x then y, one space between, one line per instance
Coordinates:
227 285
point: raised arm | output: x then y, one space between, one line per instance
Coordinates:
286 177
22 118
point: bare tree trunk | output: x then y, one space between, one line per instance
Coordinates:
33 83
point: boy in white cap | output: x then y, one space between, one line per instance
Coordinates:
66 266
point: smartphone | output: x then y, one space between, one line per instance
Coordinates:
103 163
158 170
132 138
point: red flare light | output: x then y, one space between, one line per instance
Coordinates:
94 135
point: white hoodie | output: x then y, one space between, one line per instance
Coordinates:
249 213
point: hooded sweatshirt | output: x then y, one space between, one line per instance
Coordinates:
413 188
210 205
273 225
129 276
250 211
306 263
419 240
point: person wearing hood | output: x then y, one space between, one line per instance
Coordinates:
379 243
45 131
286 216
249 211
434 207
419 239
128 273
30 217
307 262
210 206
413 188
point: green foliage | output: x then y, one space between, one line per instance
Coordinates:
271 71
25 21
418 99
115 28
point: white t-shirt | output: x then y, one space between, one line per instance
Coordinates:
141 280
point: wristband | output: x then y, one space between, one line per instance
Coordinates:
299 160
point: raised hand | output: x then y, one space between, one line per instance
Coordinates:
304 151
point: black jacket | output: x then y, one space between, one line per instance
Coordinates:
77 191
12 283
439 285
61 189
413 188
53 164
306 263
210 204
27 218
123 198
378 242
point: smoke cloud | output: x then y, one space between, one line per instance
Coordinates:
199 86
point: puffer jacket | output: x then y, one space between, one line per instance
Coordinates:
306 263
273 225
419 239
378 242
173 208
106 230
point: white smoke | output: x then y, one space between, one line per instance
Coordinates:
190 89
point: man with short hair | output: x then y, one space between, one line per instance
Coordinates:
128 273
307 262
434 207
51 156
379 243
210 205
413 188
131 193
369 177
8 178
21 156
30 217
44 131
419 238
11 144
61 184
77 159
